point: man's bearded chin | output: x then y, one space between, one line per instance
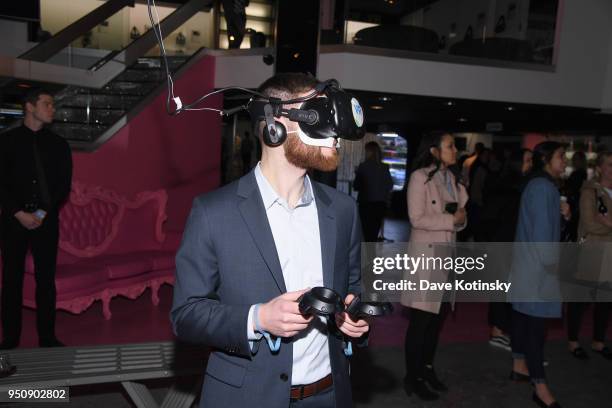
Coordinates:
309 157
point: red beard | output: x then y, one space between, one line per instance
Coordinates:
308 157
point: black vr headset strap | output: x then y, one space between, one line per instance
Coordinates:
310 117
269 119
275 132
330 83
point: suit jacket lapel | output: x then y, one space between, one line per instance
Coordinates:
327 232
254 215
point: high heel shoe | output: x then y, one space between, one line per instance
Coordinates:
430 377
605 352
420 389
579 353
542 404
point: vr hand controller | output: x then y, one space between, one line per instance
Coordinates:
360 310
318 301
321 301
326 302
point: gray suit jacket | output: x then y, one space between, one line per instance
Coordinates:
228 262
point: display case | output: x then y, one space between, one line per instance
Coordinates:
395 151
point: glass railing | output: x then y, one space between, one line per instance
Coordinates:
84 115
259 24
124 27
513 30
193 34
206 29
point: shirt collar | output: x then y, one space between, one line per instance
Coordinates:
270 196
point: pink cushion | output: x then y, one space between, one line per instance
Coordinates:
163 260
108 242
96 221
75 277
87 226
140 228
125 266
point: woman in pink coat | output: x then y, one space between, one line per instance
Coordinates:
436 208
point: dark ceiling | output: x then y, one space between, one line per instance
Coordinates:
432 113
389 7
417 114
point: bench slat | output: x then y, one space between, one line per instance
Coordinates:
51 367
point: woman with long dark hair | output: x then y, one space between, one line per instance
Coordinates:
541 214
436 208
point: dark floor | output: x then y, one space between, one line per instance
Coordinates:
476 372
477 375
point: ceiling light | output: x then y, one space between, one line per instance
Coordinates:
462 120
510 108
450 103
384 98
376 107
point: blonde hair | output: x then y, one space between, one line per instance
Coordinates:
601 158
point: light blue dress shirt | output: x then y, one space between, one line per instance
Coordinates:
298 244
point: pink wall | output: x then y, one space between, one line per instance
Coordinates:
154 150
531 140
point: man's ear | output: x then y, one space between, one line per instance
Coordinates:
289 125
28 107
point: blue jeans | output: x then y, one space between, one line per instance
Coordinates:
528 338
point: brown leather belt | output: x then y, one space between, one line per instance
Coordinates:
299 392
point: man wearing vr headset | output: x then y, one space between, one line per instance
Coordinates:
253 247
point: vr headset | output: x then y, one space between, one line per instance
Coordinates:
325 115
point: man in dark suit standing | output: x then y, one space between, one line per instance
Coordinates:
250 249
35 179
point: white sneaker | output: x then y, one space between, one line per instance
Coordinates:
502 342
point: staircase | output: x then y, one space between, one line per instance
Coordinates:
83 115
93 104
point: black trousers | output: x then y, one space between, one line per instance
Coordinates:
500 316
14 242
422 341
371 215
528 338
601 313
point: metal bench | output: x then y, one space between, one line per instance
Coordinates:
125 363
